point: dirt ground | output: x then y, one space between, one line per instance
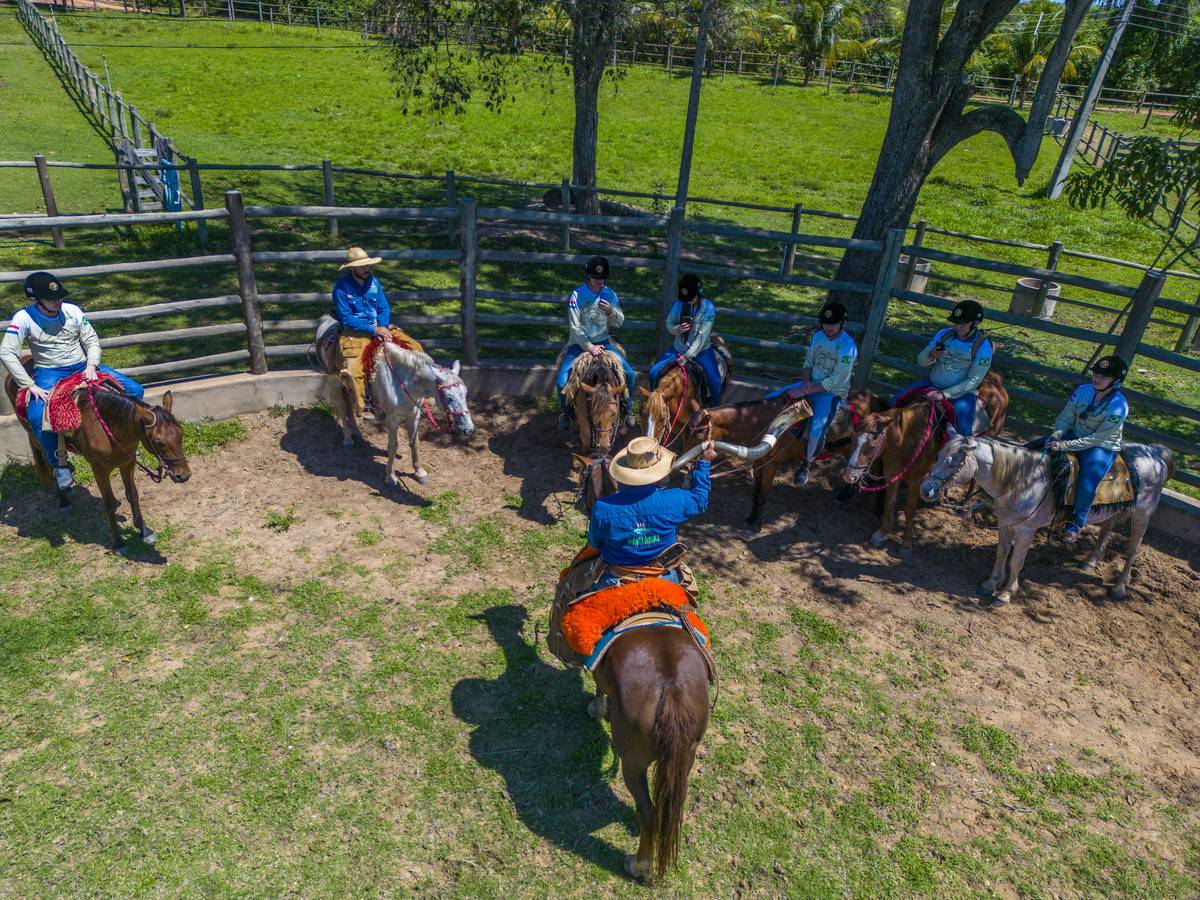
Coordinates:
1061 668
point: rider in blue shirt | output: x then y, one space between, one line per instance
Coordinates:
1090 426
691 322
593 310
825 379
635 525
957 358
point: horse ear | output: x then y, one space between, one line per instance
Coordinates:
166 401
645 393
579 463
454 368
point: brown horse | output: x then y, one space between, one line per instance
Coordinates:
652 685
903 445
744 423
112 427
676 398
595 480
595 390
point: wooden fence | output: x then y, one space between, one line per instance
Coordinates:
476 334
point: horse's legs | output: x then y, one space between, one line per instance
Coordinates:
135 504
1137 530
910 515
110 504
1022 541
393 426
1004 538
764 477
345 402
640 865
414 446
1106 531
888 516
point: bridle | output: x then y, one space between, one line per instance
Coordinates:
672 436
441 389
588 474
930 428
164 462
943 481
609 433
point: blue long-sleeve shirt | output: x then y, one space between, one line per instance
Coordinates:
1092 424
360 307
636 524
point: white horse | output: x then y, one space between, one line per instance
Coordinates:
409 385
1019 481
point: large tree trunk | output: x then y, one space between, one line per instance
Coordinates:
928 119
595 33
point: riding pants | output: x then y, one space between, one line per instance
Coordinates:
707 360
46 379
964 406
1094 463
608 579
564 374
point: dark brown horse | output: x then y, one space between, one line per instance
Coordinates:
112 427
744 424
652 686
595 480
902 445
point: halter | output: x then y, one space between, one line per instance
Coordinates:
950 479
930 426
163 461
423 404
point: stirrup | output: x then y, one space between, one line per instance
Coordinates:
1070 534
64 478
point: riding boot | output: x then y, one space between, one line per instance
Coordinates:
802 475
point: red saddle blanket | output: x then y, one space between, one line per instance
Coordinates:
63 410
586 621
917 394
370 352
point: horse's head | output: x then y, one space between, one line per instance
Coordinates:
595 480
656 413
868 440
452 398
602 405
956 464
162 435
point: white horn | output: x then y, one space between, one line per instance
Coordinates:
778 426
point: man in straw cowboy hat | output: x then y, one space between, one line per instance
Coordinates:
361 308
635 525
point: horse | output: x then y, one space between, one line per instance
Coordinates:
904 443
676 397
652 686
595 479
1020 480
112 427
595 389
401 383
744 423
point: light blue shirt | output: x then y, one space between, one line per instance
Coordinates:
1092 424
832 362
958 371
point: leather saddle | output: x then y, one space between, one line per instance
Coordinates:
1118 488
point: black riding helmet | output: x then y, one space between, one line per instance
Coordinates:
44 286
1112 366
690 287
832 313
966 311
597 267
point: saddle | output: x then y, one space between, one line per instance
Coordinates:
1118 488
584 622
62 411
983 418
581 369
696 374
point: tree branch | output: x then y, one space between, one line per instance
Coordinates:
1000 119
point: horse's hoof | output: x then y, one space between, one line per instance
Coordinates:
878 540
122 550
422 477
1001 598
1087 568
1117 592
149 537
347 441
597 708
749 531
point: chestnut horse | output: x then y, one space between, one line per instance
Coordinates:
905 443
652 686
595 389
112 427
744 423
676 398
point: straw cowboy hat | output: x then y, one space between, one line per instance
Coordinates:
357 256
644 461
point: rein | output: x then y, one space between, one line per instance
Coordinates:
930 426
423 405
163 461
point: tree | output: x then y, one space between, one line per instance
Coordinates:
1023 43
444 52
824 32
929 116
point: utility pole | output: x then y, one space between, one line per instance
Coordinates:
1079 122
693 110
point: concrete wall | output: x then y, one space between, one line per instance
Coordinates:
224 396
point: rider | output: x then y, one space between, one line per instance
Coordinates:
691 321
825 379
361 308
592 310
1090 426
958 358
635 525
62 342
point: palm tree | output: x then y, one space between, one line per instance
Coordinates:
1022 44
824 32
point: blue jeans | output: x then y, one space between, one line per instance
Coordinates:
608 579
824 405
564 373
46 379
707 360
1094 463
964 406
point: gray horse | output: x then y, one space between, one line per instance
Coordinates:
1019 482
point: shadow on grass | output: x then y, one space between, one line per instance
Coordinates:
532 729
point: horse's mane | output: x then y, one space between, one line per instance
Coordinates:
405 358
588 369
656 408
111 402
1012 464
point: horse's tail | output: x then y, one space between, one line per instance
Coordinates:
675 723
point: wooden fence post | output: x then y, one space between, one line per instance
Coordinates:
881 294
776 79
137 127
670 275
789 255
468 273
566 208
451 201
740 52
1056 249
670 55
1140 311
197 200
239 237
910 270
327 177
48 198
